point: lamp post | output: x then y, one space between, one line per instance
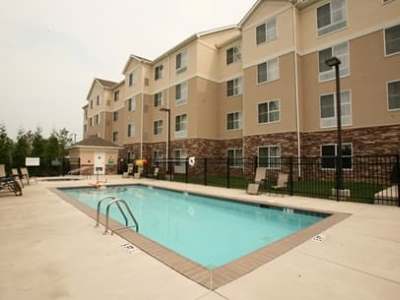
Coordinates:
335 62
168 110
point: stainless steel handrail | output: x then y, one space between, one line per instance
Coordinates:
117 202
98 208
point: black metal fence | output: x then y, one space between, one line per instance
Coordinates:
368 179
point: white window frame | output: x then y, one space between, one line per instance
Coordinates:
113 137
182 155
269 156
133 130
332 120
184 86
184 61
268 80
269 20
237 56
160 128
388 96
235 157
344 71
115 113
158 156
336 148
97 119
269 112
133 104
237 87
161 72
183 132
384 41
238 121
98 100
346 20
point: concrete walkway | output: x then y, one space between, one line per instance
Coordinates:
50 250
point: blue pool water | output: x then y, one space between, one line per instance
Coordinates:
209 231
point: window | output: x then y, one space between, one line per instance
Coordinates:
157 156
328 110
269 112
115 116
181 62
158 72
85 114
181 125
96 120
331 16
131 130
91 103
116 95
158 125
235 157
115 136
232 55
180 155
269 157
266 32
341 51
233 121
132 104
233 87
392 40
268 71
98 100
90 122
394 95
329 153
84 128
181 93
130 81
158 99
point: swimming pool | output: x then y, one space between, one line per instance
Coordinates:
209 231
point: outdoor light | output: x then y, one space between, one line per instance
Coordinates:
333 61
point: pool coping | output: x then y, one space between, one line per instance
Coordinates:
215 278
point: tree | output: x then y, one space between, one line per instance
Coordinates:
39 150
64 138
6 147
22 148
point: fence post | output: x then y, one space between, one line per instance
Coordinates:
291 175
228 175
398 178
186 170
205 171
255 164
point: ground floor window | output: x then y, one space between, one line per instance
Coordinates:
180 155
329 153
156 156
269 156
235 157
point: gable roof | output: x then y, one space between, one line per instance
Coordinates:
137 58
94 141
107 84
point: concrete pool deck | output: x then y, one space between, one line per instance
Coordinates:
51 250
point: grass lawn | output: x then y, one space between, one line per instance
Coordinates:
360 192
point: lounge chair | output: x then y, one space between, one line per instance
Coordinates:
254 188
9 183
15 174
281 183
156 173
24 174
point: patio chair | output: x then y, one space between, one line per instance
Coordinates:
9 183
24 174
254 188
281 183
15 174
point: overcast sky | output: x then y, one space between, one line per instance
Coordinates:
50 50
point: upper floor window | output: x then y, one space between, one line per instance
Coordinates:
132 104
91 103
233 55
266 32
331 16
268 71
233 87
131 130
115 136
130 79
90 121
392 40
158 99
115 116
181 126
116 95
157 129
181 61
181 93
84 128
329 113
96 120
329 153
158 72
85 114
269 156
341 51
235 157
233 121
394 95
98 100
269 112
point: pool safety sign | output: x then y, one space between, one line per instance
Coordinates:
32 161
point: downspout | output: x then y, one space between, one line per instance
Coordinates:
142 118
168 106
296 69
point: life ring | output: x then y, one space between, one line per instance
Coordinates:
192 161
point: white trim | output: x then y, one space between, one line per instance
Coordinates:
387 95
330 25
270 146
239 88
240 166
334 144
384 41
240 121
181 134
259 22
266 42
347 74
162 127
270 57
268 101
334 106
268 80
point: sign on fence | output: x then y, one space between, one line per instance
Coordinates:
32 161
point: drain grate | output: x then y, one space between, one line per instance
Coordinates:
319 238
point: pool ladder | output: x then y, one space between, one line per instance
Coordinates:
117 202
